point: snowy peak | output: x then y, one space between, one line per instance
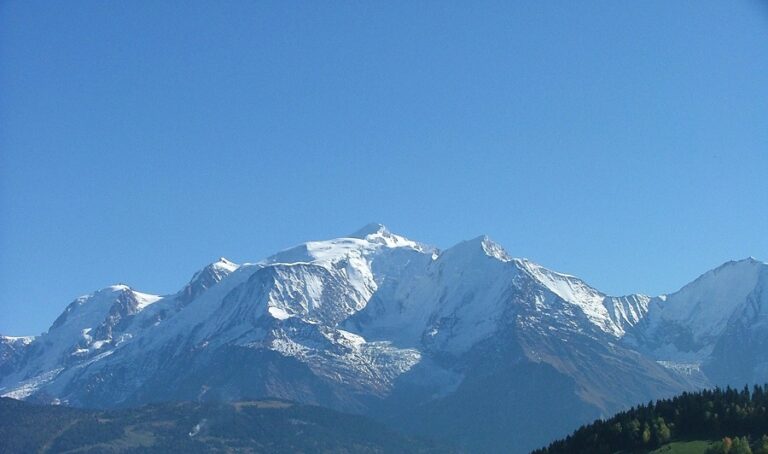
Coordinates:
380 234
88 324
326 253
374 228
493 249
711 299
479 248
365 243
483 263
685 325
613 315
216 271
731 268
86 309
207 278
225 265
104 307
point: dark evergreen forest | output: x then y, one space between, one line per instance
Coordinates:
736 419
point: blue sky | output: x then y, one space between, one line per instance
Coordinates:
624 142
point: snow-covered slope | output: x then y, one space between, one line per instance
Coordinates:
461 297
375 322
290 304
685 325
695 327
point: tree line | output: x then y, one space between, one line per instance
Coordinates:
737 419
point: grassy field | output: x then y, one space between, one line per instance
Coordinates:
684 447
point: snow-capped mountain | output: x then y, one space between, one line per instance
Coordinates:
714 328
469 342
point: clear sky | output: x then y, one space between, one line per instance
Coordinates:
623 142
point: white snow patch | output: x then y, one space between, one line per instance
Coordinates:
690 368
17 340
278 313
145 299
27 387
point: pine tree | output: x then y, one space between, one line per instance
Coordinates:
762 447
740 446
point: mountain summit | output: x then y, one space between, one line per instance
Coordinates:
468 343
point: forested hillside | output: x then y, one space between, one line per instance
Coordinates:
252 427
736 420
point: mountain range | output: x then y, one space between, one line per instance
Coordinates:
469 344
